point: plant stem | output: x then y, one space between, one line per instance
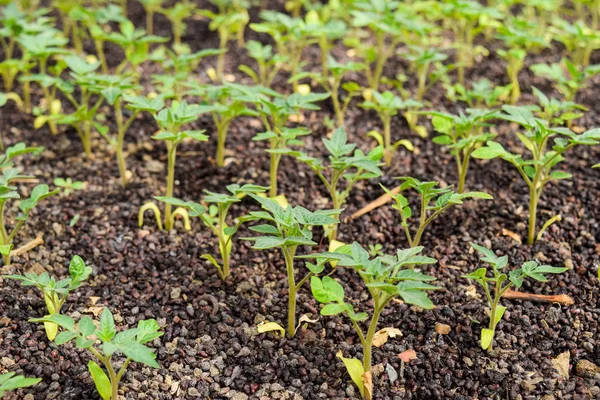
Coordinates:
288 254
387 139
533 203
368 343
223 37
221 138
274 166
149 21
171 154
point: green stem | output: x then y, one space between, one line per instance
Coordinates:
288 254
222 129
274 166
171 155
223 38
533 203
387 139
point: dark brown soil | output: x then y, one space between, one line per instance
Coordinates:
210 348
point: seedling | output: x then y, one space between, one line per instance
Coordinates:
178 68
130 343
327 29
98 22
519 37
554 111
467 19
68 185
170 121
135 44
347 164
116 94
381 18
229 21
10 381
224 103
462 133
83 119
9 192
287 229
275 112
388 105
151 7
215 218
385 280
483 94
537 171
422 59
500 282
268 62
176 15
579 40
566 77
442 198
332 83
291 35
56 292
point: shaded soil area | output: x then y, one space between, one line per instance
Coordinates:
210 347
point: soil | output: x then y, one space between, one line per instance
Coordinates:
210 347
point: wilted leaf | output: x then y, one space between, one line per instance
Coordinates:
381 336
269 327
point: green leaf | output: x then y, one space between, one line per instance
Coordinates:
560 175
492 150
268 242
355 370
148 330
107 331
487 335
65 337
499 313
101 381
333 309
86 326
139 353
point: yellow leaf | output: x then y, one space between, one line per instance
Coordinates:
40 121
367 94
333 246
355 370
281 200
381 336
55 107
91 59
50 327
303 89
269 327
212 74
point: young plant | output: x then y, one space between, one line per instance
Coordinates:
68 185
482 94
135 44
171 120
380 17
288 229
555 111
566 77
291 35
84 118
348 165
224 103
176 15
151 7
229 21
56 292
537 171
462 133
131 343
422 59
116 94
579 40
332 83
386 279
497 285
519 38
442 198
9 192
467 19
388 105
275 112
98 21
215 218
179 67
10 381
269 63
